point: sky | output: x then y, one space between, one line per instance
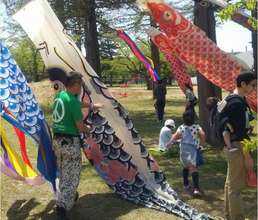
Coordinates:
230 36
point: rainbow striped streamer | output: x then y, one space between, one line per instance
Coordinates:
20 132
14 166
136 51
17 97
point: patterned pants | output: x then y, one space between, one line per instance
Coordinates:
69 163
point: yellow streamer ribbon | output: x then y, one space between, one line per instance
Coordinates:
21 168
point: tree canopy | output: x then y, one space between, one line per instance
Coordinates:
89 19
248 5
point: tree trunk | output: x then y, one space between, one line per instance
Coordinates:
60 11
155 57
254 41
111 80
155 52
156 61
149 82
35 64
91 38
204 19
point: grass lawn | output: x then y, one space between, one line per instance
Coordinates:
19 201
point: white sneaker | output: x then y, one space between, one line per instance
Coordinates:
232 149
196 192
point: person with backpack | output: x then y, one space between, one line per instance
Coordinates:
233 110
217 139
192 137
237 114
191 99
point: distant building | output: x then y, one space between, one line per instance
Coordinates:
245 59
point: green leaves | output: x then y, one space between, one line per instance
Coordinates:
231 9
253 22
250 4
28 59
249 145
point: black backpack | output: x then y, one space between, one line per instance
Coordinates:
218 119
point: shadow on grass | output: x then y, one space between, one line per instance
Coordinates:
20 209
106 206
99 206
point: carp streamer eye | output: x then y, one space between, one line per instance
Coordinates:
167 15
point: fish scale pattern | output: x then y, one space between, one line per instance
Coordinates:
105 150
16 94
179 68
17 97
114 146
193 46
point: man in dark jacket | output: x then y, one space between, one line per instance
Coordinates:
238 117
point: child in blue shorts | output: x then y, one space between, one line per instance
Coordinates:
192 137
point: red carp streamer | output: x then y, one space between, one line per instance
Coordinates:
192 46
179 67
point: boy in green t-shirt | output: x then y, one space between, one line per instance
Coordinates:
67 125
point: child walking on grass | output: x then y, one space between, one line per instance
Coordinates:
192 137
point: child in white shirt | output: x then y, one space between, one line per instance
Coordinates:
166 134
